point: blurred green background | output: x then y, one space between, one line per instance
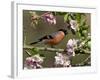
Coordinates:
31 34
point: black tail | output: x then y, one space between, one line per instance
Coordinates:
34 42
39 40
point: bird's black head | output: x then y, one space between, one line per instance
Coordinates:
65 31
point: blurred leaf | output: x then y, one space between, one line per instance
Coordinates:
78 17
61 13
85 27
80 33
89 44
69 18
33 25
84 32
82 38
65 17
35 51
32 13
89 38
54 13
73 16
83 22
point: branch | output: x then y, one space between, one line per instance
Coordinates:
28 53
51 49
44 49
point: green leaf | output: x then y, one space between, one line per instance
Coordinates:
66 17
78 17
84 32
69 18
35 51
73 16
89 44
61 13
83 22
85 27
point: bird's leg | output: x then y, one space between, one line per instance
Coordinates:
45 47
52 46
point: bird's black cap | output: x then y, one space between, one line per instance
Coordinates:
65 31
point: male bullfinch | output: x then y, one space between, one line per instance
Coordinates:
52 39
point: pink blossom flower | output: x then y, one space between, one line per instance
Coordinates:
34 62
70 47
71 43
49 17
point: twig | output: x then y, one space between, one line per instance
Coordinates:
85 60
28 52
41 16
82 63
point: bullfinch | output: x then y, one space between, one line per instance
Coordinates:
52 39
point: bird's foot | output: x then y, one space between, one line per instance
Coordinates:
52 46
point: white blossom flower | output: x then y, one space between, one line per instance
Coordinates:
38 58
74 24
67 63
59 58
62 60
